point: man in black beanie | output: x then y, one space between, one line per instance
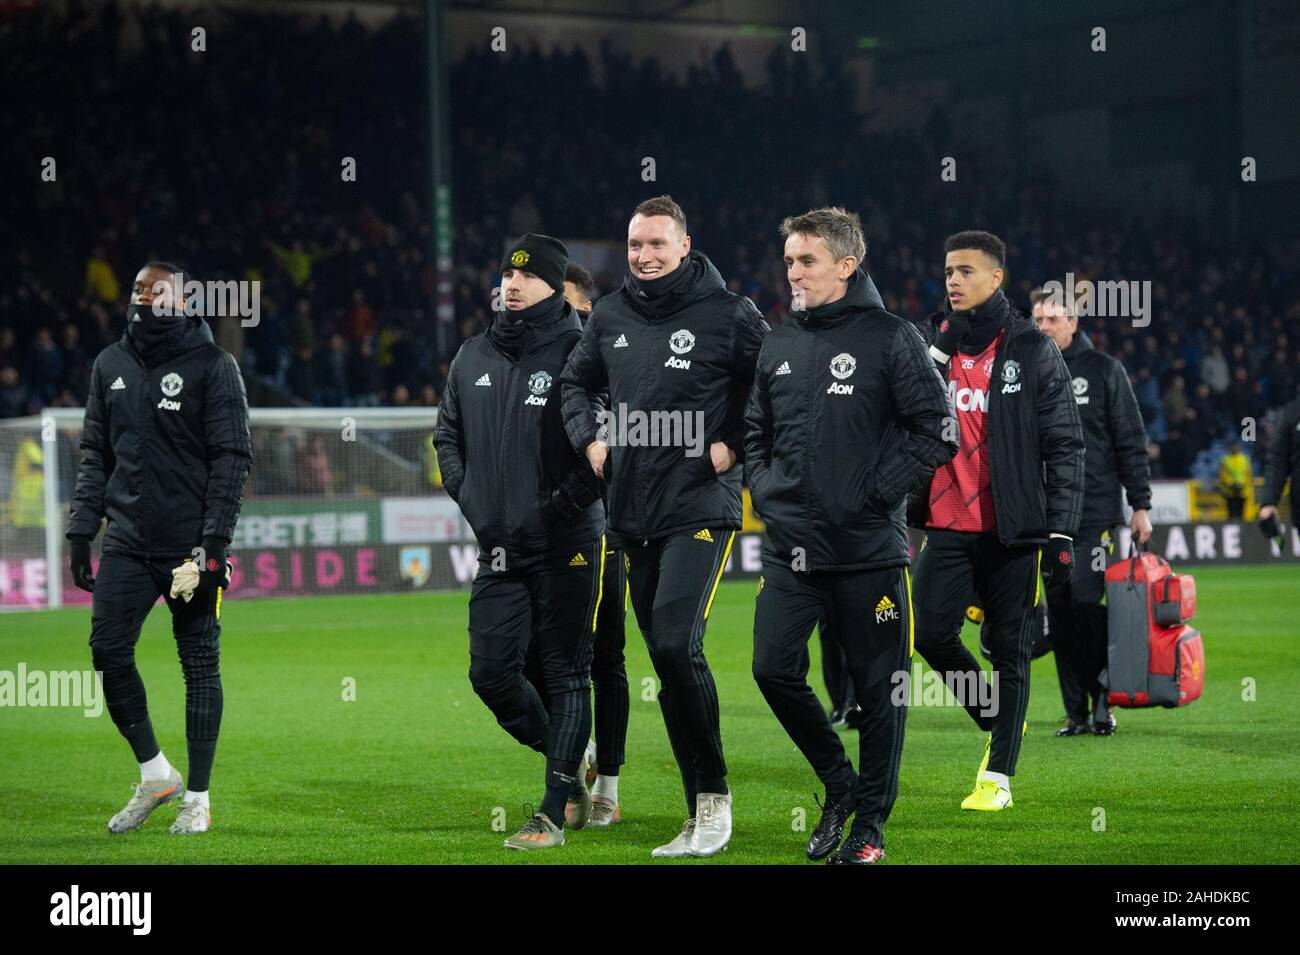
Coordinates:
1007 505
535 509
676 350
165 451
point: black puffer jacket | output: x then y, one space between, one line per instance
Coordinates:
687 356
1035 437
847 416
1113 432
502 449
165 447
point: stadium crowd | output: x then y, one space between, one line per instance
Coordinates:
228 161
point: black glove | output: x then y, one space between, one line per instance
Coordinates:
216 570
1058 561
577 491
1271 528
79 549
952 329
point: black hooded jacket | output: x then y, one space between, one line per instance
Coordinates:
165 446
1036 450
683 358
1283 462
1113 433
847 415
502 449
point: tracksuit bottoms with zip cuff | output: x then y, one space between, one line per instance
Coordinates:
870 612
550 605
1007 581
1077 615
126 589
672 581
608 668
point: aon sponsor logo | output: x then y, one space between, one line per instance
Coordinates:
169 405
968 399
538 400
837 388
678 363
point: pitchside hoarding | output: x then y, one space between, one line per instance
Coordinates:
299 547
286 548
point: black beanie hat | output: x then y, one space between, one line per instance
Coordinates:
543 256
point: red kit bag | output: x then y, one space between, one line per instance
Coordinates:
1154 658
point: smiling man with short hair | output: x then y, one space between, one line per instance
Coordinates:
672 344
847 415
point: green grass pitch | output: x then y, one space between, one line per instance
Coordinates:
416 769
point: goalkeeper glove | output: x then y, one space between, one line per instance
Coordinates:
216 570
185 580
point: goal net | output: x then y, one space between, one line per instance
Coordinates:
345 500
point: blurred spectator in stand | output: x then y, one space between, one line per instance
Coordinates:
8 347
44 367
76 364
332 380
361 318
314 468
1214 371
1236 480
1175 402
101 280
363 375
14 402
301 377
1176 455
1281 379
1148 394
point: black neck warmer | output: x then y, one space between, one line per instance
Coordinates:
657 295
986 321
859 294
154 335
510 328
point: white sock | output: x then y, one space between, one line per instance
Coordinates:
156 768
999 778
607 788
201 798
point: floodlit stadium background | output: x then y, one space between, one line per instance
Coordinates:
1167 156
